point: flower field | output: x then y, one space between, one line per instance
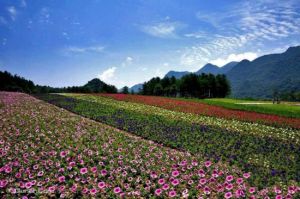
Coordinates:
270 153
208 110
48 151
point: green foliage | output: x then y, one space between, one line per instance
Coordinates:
190 85
11 82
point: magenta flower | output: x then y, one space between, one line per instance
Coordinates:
158 192
61 178
83 170
246 175
207 164
103 172
117 190
175 173
251 189
101 185
172 194
94 169
229 178
228 195
175 182
93 191
161 181
63 154
165 187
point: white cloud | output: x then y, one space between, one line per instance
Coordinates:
127 61
108 74
234 57
78 50
23 3
162 30
255 23
12 12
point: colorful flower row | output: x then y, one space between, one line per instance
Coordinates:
265 151
208 110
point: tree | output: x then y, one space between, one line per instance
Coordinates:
125 90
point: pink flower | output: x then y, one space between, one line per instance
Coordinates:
158 192
229 186
229 178
61 178
172 194
239 180
28 185
83 170
228 195
175 173
202 181
207 164
103 172
71 164
278 197
93 191
117 190
201 173
175 182
101 185
94 169
165 187
251 189
51 189
161 181
85 190
63 154
246 175
206 190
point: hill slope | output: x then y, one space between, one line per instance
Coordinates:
259 78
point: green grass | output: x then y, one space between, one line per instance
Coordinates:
286 109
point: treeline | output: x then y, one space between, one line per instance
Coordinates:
11 82
191 85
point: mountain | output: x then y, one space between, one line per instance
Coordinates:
176 74
136 88
96 85
209 68
262 76
227 67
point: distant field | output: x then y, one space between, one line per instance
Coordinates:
287 109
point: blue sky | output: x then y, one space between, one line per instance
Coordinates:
65 43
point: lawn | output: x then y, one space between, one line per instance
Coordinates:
287 109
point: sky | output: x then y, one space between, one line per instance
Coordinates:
125 42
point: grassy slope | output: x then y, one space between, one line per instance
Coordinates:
283 109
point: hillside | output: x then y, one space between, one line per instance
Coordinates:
261 77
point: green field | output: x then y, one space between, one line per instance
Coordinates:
287 109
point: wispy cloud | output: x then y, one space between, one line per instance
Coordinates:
108 74
12 12
163 29
86 49
44 16
23 3
3 21
241 26
127 61
234 57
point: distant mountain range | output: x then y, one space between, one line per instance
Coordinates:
258 78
